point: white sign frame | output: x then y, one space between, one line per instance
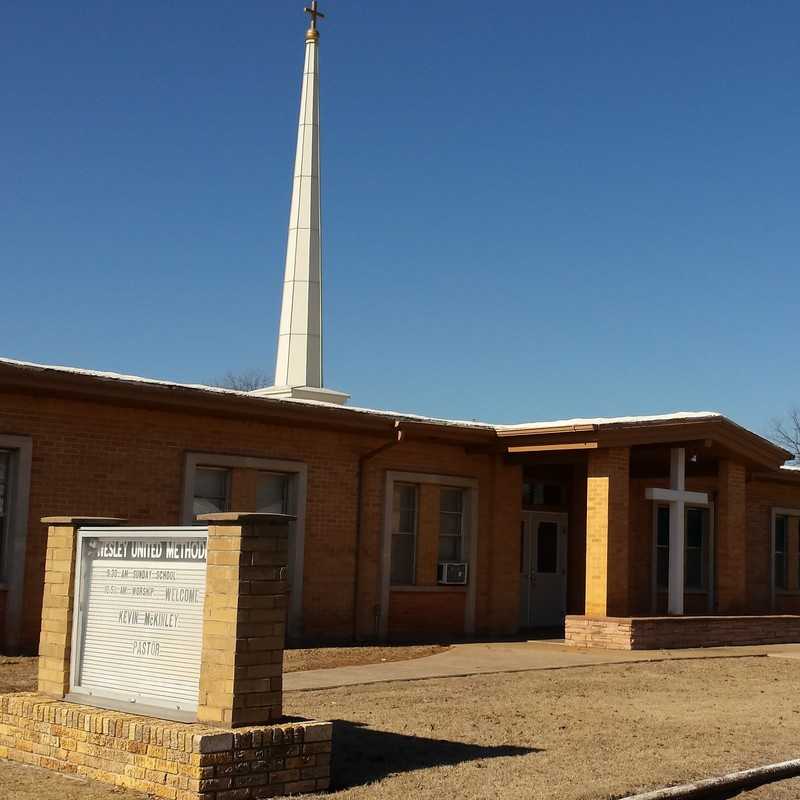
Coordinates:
161 707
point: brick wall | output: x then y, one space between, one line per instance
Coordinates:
732 547
607 531
103 459
410 613
174 761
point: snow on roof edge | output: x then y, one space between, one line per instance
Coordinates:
474 425
580 421
136 379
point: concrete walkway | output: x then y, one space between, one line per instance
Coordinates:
488 658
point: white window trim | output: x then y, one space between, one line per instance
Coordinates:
777 512
297 556
17 533
655 591
423 478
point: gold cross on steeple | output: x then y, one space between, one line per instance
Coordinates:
314 14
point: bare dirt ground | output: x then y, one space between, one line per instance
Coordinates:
574 734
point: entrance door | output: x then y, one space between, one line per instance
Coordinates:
543 580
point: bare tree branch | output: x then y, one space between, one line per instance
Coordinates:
245 381
787 432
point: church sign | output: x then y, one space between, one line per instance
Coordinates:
138 618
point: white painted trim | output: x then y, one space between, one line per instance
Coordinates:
668 496
421 478
13 567
776 512
297 557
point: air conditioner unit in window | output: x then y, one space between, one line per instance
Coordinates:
453 573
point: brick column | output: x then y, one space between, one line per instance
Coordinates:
607 532
55 641
731 538
244 619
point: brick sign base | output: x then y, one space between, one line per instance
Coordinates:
177 761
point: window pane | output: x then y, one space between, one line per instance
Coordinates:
780 533
547 547
694 569
406 496
4 476
694 527
210 490
402 559
450 548
551 494
780 571
662 567
663 526
452 500
210 482
272 493
450 524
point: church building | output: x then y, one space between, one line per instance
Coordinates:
632 532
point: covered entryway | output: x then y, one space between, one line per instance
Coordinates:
543 579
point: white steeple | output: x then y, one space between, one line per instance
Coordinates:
298 369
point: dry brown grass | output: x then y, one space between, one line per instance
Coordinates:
594 732
17 674
300 660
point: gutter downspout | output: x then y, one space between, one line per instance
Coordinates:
362 460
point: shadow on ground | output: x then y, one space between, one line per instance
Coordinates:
362 755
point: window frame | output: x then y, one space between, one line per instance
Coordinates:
414 534
472 532
709 552
778 511
299 470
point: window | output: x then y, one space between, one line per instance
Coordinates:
695 548
696 535
662 547
211 490
451 525
547 547
404 534
272 493
538 493
781 549
5 480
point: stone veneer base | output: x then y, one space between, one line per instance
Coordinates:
177 761
674 633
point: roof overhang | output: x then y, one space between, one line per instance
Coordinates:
674 429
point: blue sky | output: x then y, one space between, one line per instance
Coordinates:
531 212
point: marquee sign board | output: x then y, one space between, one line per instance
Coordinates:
138 619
